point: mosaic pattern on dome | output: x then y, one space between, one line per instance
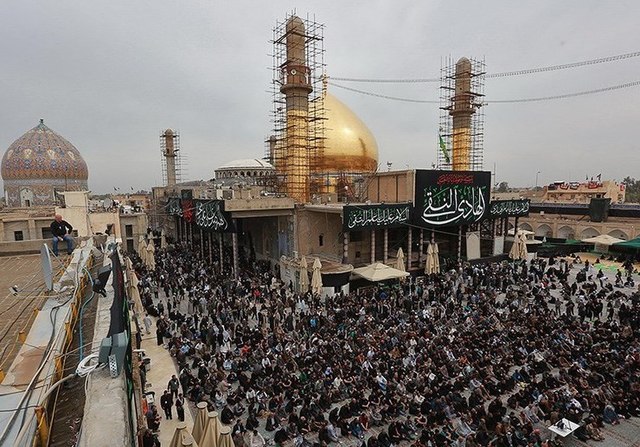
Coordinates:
42 153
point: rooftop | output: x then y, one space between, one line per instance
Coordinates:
17 311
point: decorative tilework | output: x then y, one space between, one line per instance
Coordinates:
42 162
43 154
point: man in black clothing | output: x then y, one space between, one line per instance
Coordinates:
61 231
166 402
180 407
173 386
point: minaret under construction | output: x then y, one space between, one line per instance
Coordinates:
461 112
461 123
296 87
169 143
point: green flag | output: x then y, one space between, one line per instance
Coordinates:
443 148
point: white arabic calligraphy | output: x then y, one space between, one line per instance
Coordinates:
174 207
463 204
377 217
510 208
209 215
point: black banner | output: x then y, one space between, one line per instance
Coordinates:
375 216
509 208
119 307
210 215
174 208
449 198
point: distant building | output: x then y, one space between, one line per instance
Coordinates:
134 202
583 192
246 171
25 230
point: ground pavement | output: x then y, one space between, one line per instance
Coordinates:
162 368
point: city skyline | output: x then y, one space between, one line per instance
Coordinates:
110 82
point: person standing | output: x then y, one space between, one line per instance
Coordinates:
61 231
180 407
173 386
166 402
147 323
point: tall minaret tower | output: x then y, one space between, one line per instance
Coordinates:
296 86
461 111
169 152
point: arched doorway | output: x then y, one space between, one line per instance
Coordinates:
589 232
566 232
525 226
544 230
619 234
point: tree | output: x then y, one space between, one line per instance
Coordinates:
632 189
503 187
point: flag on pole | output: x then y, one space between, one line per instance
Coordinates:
443 148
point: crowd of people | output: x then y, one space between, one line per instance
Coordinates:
484 355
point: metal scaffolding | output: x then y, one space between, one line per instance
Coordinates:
298 114
460 144
172 158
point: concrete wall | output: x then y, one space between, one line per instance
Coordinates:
311 225
106 397
11 248
31 228
263 203
9 229
98 223
360 247
139 224
576 227
391 187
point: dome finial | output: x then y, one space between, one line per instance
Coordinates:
41 120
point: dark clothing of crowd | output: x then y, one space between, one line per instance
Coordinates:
482 355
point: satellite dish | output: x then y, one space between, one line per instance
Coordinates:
47 270
108 203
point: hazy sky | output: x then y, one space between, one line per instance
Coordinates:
109 76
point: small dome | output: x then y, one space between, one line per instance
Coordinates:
42 154
349 145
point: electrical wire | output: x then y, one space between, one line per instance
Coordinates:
84 368
16 409
93 294
503 74
566 95
500 101
53 315
378 95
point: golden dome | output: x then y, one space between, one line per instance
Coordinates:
349 145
